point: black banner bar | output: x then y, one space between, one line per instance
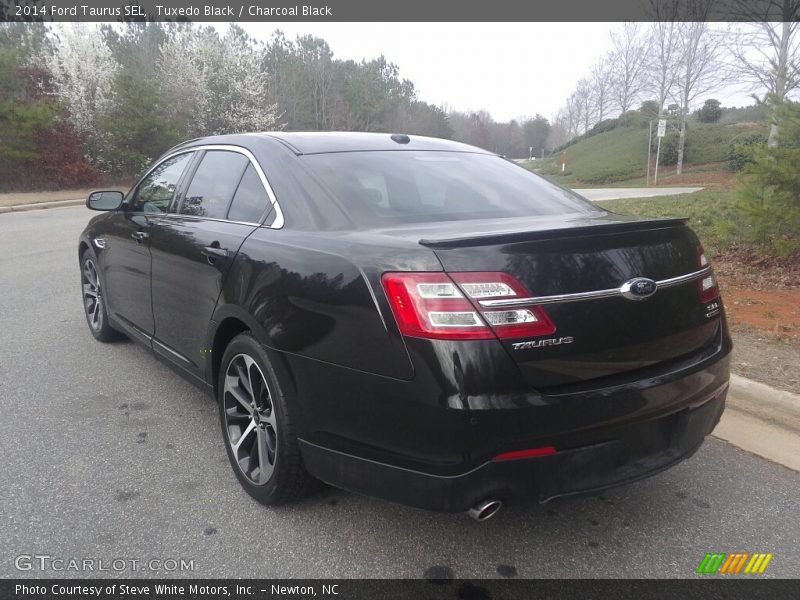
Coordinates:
401 11
396 589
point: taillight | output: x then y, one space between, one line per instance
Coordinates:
707 286
446 306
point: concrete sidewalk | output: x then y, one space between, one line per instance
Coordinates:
602 194
42 205
14 198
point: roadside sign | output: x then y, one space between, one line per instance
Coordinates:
662 127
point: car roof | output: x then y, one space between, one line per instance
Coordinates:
318 142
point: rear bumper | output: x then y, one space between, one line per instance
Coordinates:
622 455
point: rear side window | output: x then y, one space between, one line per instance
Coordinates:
155 191
214 183
250 200
384 188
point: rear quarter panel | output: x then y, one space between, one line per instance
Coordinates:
318 297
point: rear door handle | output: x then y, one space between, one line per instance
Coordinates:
140 236
215 252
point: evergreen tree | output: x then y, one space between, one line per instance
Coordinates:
770 194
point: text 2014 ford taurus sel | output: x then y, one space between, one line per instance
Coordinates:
411 318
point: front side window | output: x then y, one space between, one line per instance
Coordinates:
155 192
214 183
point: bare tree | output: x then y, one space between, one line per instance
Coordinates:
584 104
571 116
700 71
629 60
767 53
661 61
317 61
600 79
557 136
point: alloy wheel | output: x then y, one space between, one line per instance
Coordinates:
250 419
92 296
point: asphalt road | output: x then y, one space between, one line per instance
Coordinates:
107 454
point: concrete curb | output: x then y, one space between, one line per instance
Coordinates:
763 421
764 402
42 205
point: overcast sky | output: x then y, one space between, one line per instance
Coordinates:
509 69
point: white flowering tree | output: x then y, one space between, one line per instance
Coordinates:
82 69
216 84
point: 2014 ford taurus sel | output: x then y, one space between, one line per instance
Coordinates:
411 318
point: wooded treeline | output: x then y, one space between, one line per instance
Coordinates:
78 103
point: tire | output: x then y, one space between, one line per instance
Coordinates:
94 306
257 429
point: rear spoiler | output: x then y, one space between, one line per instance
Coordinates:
598 228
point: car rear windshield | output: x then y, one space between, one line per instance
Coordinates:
386 188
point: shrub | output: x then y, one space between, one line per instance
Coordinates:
633 118
649 110
604 125
669 149
740 153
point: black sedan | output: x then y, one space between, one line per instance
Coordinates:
411 318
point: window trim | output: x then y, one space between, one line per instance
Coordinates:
276 224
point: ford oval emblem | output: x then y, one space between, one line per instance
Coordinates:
638 288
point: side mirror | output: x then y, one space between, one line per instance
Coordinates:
104 200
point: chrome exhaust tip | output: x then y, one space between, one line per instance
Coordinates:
485 510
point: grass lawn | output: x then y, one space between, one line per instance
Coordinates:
710 213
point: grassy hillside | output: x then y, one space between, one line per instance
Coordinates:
611 156
620 155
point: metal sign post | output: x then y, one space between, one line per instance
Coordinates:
662 129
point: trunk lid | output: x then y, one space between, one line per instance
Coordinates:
596 338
